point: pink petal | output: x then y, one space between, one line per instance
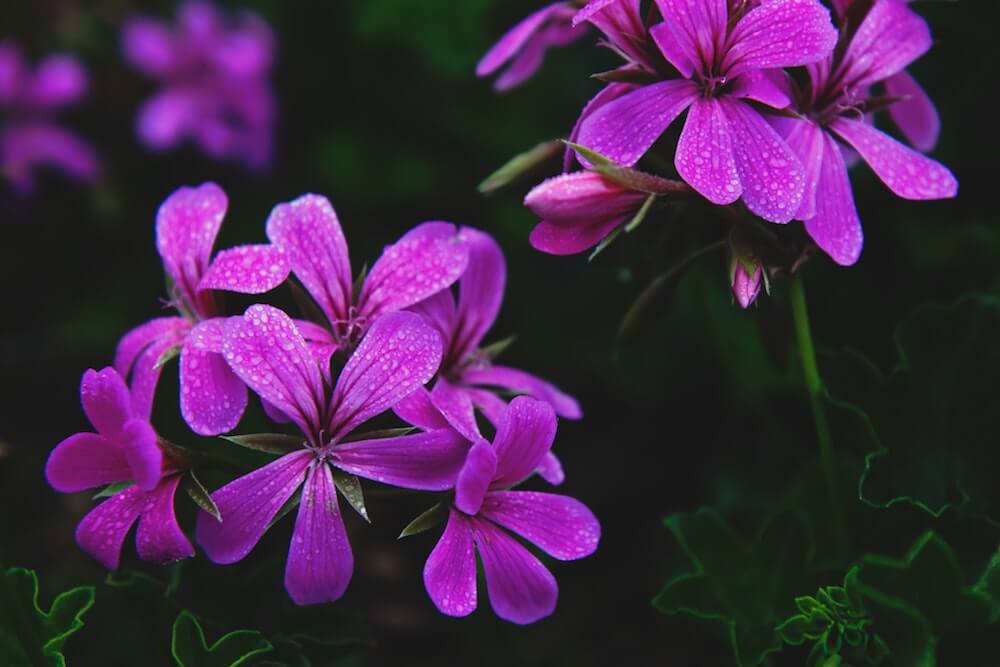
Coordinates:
248 505
523 65
102 532
610 92
265 349
450 571
551 469
623 25
890 37
186 226
521 589
145 458
525 383
705 157
149 46
770 87
138 339
320 562
321 343
835 227
146 375
780 34
213 397
524 435
698 26
675 47
106 401
772 176
907 173
426 461
916 114
806 139
309 232
399 353
168 117
480 291
475 477
624 129
492 406
427 259
562 240
516 39
160 538
439 311
85 461
57 81
455 404
247 269
561 526
418 409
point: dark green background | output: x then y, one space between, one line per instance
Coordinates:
380 111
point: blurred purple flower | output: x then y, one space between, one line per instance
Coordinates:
398 355
521 589
523 47
29 139
212 397
124 449
838 105
724 52
214 73
468 377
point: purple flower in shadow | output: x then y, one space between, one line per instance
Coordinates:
29 138
124 449
838 105
214 71
265 349
468 378
521 589
212 397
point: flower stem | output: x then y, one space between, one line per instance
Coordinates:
814 385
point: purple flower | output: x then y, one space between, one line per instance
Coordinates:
265 349
212 397
521 589
745 284
523 48
124 449
837 105
467 373
214 74
724 52
428 258
29 139
578 210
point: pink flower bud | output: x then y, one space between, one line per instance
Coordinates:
745 287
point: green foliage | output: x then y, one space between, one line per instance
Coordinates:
189 648
747 588
30 636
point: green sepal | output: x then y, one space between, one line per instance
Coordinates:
350 487
520 165
605 242
627 177
168 354
430 518
199 494
625 75
112 489
271 443
189 648
29 635
640 215
494 350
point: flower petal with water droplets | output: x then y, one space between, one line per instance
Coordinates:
561 526
450 571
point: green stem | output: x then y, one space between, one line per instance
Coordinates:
814 385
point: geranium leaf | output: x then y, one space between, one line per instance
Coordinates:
29 635
189 648
749 588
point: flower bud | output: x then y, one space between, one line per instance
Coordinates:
745 277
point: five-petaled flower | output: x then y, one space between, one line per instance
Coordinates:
124 449
212 397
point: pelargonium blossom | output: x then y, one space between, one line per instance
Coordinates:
29 138
521 588
888 38
124 449
425 260
212 397
523 47
214 71
468 376
265 348
725 53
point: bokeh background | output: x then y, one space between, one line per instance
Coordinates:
379 110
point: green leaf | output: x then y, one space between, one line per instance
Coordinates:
929 426
200 495
189 648
350 488
520 165
749 589
29 635
427 520
272 443
989 584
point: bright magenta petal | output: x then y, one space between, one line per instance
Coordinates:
524 436
186 226
475 477
525 383
705 158
103 531
835 227
480 291
138 339
247 269
106 401
160 538
780 34
213 397
561 526
450 571
915 114
426 461
85 461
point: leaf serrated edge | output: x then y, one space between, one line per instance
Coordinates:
200 632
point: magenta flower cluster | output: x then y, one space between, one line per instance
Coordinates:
396 340
779 97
